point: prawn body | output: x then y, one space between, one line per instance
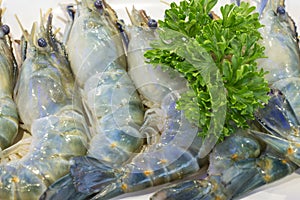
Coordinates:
115 112
9 120
242 163
48 98
56 124
172 143
159 81
94 43
231 174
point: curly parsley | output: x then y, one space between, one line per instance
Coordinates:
232 43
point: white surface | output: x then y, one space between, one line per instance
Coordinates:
28 12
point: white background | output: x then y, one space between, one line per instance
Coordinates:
28 12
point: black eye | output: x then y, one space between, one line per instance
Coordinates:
281 10
5 28
211 15
152 23
42 42
271 92
98 4
70 11
280 93
120 27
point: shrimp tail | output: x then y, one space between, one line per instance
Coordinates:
110 191
235 181
284 147
188 189
280 120
87 177
62 189
90 175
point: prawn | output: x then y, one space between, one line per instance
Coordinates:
46 100
9 119
114 109
279 117
283 63
172 148
242 163
97 57
280 38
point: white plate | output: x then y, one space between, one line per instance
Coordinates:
29 11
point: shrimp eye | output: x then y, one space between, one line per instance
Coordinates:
98 4
5 28
152 23
42 42
280 93
271 92
70 11
281 10
120 27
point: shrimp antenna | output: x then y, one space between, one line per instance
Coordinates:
3 10
44 17
25 33
32 32
111 12
56 31
41 20
48 12
164 2
129 15
138 17
105 4
63 20
144 15
214 15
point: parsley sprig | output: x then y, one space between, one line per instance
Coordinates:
232 42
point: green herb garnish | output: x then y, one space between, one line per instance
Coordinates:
231 43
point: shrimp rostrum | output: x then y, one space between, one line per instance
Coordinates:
46 100
9 120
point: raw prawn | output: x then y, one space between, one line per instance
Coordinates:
173 147
114 109
280 38
98 60
241 163
9 120
283 63
48 107
279 117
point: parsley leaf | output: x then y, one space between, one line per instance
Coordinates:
232 44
